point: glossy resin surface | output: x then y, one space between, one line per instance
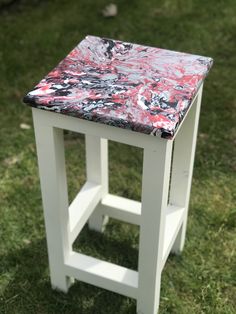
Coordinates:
144 89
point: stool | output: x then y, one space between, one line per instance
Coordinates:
137 95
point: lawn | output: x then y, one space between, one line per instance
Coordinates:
34 36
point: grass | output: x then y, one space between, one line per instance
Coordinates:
34 37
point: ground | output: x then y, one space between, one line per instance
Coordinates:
34 37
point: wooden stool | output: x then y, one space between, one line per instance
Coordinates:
141 96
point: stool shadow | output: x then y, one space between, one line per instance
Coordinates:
29 289
116 249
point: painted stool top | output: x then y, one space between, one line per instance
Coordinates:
144 89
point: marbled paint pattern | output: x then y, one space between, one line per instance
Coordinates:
140 88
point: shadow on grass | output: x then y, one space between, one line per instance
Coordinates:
28 288
119 244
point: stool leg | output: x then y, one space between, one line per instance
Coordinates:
155 185
50 150
97 171
182 167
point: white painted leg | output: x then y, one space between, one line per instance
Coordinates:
51 161
97 171
155 185
182 167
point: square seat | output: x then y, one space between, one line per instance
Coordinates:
140 88
125 87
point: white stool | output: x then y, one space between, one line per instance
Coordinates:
162 213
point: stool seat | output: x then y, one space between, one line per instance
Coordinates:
135 87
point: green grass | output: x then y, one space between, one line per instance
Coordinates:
34 37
